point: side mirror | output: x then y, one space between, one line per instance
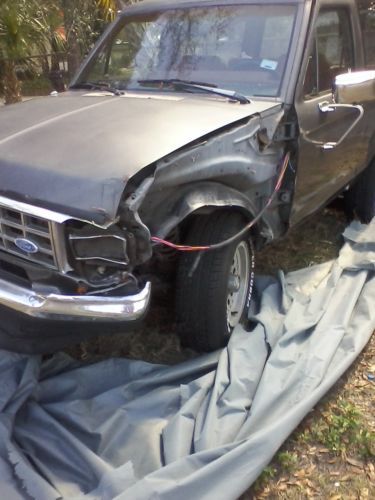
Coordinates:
355 87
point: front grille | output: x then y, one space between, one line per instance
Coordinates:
15 225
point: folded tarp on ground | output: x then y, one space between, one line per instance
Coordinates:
203 429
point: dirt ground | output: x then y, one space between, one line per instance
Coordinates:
331 454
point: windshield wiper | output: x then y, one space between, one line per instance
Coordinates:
204 87
104 87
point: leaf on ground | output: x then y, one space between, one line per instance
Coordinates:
370 470
362 383
294 483
310 484
323 450
357 471
355 463
343 479
299 473
282 487
364 494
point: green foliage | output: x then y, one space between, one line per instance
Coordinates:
287 460
342 430
23 27
268 473
108 8
38 27
84 22
37 86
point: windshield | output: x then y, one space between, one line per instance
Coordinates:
241 48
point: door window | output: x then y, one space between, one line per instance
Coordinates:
367 17
332 51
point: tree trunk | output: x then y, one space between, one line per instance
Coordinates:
74 55
74 51
12 86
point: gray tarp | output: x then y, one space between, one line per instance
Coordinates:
202 429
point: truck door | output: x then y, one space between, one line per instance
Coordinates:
321 172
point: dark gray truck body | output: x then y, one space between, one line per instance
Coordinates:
87 178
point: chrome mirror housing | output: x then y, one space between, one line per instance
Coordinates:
355 87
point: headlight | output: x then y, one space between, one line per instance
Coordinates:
99 247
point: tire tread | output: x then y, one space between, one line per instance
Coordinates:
199 319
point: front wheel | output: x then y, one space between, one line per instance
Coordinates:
212 296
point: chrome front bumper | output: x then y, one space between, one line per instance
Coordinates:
74 307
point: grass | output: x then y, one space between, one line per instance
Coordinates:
342 429
315 241
287 460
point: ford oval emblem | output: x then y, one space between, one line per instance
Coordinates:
26 246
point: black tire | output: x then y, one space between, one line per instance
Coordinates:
202 296
360 198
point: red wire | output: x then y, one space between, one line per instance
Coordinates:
182 248
188 248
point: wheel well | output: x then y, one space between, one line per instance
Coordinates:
185 225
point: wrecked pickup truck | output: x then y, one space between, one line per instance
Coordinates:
195 133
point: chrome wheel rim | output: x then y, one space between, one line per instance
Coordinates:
238 284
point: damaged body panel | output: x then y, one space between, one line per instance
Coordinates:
83 154
193 134
230 167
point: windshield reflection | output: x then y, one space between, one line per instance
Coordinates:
241 48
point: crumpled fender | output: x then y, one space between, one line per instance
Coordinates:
186 200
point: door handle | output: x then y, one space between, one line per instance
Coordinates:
326 107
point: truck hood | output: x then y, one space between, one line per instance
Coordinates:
75 153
